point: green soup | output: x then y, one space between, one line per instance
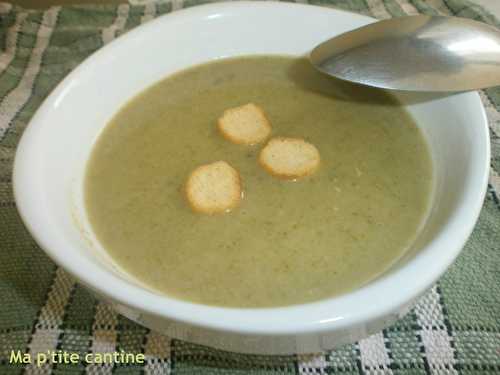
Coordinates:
289 242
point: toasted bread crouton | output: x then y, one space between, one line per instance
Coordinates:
289 158
213 188
244 125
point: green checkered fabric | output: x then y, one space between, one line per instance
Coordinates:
454 328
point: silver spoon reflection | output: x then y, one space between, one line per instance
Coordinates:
416 53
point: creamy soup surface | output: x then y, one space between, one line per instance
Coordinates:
288 242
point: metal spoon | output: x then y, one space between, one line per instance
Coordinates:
417 53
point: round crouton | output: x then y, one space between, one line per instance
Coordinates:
244 125
213 188
289 158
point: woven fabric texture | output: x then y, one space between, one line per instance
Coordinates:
453 329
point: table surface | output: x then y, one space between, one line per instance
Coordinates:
46 3
492 5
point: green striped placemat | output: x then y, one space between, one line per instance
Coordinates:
454 329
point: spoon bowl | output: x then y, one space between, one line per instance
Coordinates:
415 53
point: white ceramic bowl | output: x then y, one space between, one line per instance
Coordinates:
51 157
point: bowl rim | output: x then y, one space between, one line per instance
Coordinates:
315 317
